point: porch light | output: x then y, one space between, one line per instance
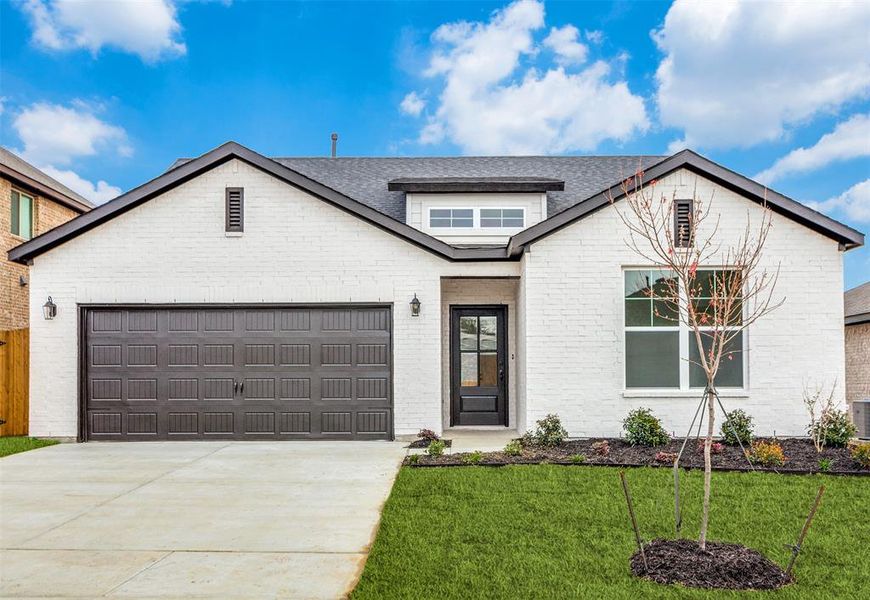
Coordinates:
49 310
415 307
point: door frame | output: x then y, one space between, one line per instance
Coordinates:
454 389
82 310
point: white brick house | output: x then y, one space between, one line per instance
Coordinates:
246 297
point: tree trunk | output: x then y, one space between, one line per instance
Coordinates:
708 468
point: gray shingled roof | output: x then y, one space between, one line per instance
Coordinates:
365 179
857 300
16 163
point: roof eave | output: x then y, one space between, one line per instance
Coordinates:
43 190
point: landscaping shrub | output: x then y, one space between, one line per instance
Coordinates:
860 453
833 428
413 459
825 465
767 454
666 457
513 448
642 428
436 448
578 459
548 432
715 448
428 434
472 458
737 428
601 448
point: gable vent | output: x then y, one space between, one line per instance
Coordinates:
683 214
235 209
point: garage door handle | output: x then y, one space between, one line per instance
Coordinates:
235 386
242 387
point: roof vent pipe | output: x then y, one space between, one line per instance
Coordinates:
334 137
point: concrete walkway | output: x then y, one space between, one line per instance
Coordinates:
191 519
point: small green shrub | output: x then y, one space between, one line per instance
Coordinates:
825 465
413 459
767 454
472 458
578 459
513 448
860 453
642 428
737 428
436 448
833 429
548 432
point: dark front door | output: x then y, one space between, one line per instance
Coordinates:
478 365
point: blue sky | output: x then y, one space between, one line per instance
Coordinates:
105 96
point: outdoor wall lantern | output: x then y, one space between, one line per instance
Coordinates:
49 310
415 307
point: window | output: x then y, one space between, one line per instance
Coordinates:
657 344
451 217
502 217
235 211
22 215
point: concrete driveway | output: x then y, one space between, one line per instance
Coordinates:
191 519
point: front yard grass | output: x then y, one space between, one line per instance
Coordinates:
563 532
16 444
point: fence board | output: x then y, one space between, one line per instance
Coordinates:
14 381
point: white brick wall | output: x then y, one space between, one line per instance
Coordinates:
297 248
572 302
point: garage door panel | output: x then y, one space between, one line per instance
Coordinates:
238 373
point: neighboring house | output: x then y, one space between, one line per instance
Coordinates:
31 203
238 296
857 313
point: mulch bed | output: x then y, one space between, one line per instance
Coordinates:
801 457
721 565
422 443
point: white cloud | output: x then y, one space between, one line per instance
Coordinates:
491 103
850 139
739 73
98 193
594 36
54 135
854 203
147 28
412 104
563 41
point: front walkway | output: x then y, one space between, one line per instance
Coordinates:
191 519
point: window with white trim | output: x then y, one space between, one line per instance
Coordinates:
502 217
451 217
657 343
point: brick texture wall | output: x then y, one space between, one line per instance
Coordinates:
857 362
572 299
13 296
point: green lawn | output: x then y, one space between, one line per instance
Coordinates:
16 444
563 532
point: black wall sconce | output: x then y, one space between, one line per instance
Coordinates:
49 310
415 307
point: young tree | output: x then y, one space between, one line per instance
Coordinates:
717 285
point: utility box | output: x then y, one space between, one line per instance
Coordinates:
861 416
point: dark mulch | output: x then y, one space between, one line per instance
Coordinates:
424 443
801 456
721 565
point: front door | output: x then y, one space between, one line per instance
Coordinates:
478 365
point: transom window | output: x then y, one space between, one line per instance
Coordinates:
451 217
657 344
502 217
22 215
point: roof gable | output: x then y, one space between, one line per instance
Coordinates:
23 173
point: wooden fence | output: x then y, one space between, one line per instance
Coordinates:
14 381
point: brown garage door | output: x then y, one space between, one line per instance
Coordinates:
237 373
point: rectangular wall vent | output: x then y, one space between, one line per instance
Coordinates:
235 209
683 215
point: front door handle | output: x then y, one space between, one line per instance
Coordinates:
501 373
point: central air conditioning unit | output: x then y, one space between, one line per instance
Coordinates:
861 416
